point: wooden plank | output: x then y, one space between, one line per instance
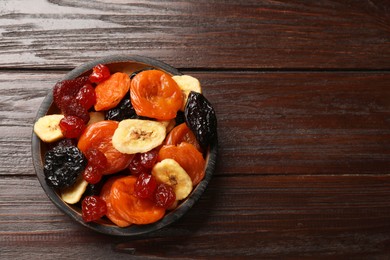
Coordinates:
198 34
335 216
283 123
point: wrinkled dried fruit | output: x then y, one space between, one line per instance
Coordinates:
67 88
92 175
72 126
124 110
145 186
164 196
200 118
74 108
86 96
93 208
62 166
99 73
96 158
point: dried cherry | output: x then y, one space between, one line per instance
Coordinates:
67 88
72 126
164 196
93 208
145 186
86 96
99 73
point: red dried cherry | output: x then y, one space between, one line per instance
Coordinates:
164 196
96 158
93 208
99 73
67 88
145 186
92 175
143 162
135 165
149 159
73 108
72 126
86 96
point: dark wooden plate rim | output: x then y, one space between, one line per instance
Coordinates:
109 229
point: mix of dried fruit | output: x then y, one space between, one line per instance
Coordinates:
127 147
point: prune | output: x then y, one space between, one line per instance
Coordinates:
124 110
94 189
180 118
67 88
201 119
62 166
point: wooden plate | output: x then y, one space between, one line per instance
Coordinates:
126 64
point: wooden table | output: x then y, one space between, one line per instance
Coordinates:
302 94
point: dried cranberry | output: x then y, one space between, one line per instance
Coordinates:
93 208
99 73
164 196
67 88
72 126
86 96
145 186
96 158
73 108
92 175
149 159
135 166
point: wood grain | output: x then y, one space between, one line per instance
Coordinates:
198 34
285 216
301 91
284 123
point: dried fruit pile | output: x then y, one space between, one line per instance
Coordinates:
128 148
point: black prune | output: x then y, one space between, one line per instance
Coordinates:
124 110
179 119
62 166
201 119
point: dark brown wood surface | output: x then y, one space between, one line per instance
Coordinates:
302 94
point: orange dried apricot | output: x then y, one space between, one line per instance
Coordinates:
188 157
129 206
111 91
156 95
111 214
99 136
182 133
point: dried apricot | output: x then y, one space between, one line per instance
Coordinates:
99 135
111 91
129 206
155 94
188 157
182 133
111 214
